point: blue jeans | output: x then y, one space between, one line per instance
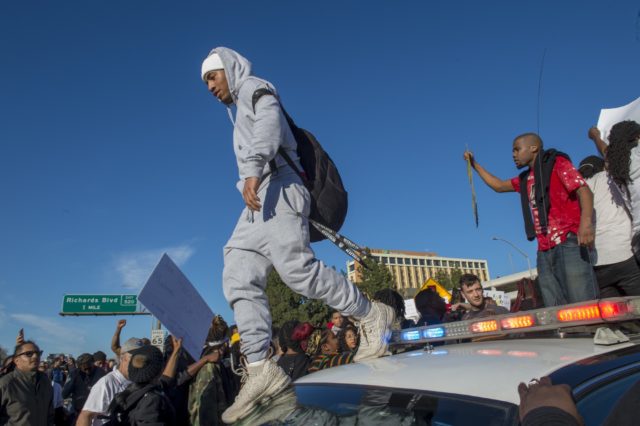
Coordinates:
565 273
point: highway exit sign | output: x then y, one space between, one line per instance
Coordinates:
99 303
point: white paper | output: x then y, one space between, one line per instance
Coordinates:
410 310
609 117
500 297
171 298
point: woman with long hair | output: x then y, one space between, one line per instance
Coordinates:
623 165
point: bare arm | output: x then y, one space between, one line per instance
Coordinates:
586 234
170 368
594 135
193 369
115 340
85 418
493 182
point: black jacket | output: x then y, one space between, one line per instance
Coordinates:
542 169
26 399
79 385
141 404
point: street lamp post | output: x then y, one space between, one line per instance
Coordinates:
519 251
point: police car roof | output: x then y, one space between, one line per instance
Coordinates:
491 369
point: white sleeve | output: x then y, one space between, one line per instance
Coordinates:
99 398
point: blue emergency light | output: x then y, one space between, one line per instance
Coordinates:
411 335
434 333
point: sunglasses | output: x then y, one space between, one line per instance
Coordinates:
29 354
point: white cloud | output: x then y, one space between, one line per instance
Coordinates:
50 332
136 267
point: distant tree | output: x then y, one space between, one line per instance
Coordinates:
408 293
287 305
374 276
3 354
448 280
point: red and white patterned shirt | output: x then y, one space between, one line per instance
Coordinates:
564 214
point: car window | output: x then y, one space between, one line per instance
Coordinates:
358 405
596 405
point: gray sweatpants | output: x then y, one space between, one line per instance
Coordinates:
278 236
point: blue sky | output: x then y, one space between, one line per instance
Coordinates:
112 151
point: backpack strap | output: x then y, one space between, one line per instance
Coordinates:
272 163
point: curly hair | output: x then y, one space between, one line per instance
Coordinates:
393 299
622 138
318 338
342 338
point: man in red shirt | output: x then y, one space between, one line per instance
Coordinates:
558 213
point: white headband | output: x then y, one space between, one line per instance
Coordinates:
211 63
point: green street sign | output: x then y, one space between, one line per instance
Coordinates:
99 304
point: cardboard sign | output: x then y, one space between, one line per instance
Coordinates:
171 298
410 310
500 297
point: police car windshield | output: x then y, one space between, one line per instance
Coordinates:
351 405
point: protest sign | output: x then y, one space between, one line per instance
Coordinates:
611 116
500 297
171 298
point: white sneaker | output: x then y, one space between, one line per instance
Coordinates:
278 410
375 331
261 383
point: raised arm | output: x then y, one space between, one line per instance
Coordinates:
493 182
594 135
115 340
170 368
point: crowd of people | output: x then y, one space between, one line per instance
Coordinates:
143 384
568 212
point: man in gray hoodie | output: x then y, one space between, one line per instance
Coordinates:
273 232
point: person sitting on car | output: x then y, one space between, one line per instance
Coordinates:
477 305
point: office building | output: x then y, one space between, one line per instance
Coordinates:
411 269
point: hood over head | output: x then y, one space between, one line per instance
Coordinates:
236 68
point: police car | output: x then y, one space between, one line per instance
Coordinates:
444 382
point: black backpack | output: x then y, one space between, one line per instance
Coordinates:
320 175
123 403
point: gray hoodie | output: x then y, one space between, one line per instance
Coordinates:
256 137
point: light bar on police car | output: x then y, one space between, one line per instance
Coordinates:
578 314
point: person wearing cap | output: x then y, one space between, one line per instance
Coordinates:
103 392
144 401
617 271
80 381
273 232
